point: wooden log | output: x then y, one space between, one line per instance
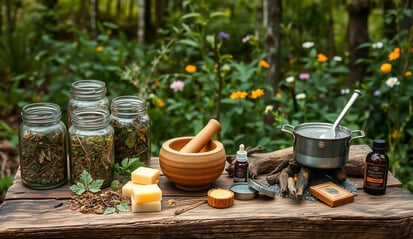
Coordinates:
302 181
266 162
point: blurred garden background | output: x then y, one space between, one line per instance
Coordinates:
253 65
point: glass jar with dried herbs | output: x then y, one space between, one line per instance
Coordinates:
91 144
131 123
42 143
86 93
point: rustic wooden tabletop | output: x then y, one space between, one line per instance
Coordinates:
30 213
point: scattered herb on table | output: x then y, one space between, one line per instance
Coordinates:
88 197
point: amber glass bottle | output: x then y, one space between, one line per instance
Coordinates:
376 168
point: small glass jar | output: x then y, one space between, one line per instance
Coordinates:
42 141
131 123
91 144
86 93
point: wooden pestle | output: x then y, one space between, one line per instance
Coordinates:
202 138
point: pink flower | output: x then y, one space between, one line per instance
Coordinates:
304 76
177 85
246 39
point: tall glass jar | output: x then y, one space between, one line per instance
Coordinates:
132 128
91 144
86 93
42 141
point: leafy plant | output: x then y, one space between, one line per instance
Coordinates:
86 183
126 167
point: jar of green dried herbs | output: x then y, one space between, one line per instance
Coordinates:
131 123
86 93
42 143
91 144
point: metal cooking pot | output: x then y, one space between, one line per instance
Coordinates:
312 151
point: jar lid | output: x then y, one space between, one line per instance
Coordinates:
261 188
220 198
242 191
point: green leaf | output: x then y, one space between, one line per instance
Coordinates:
123 206
85 178
109 210
115 185
78 188
96 185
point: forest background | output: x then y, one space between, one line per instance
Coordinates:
253 65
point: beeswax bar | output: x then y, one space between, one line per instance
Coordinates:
127 189
146 193
145 175
146 206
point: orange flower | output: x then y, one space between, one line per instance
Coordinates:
321 57
385 68
395 54
99 48
264 64
255 94
160 103
408 73
278 95
157 83
190 69
238 95
395 134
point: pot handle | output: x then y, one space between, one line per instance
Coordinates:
285 128
360 132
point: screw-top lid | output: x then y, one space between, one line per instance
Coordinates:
242 154
379 144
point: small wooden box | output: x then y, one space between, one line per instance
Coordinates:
331 194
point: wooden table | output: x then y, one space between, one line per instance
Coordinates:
36 213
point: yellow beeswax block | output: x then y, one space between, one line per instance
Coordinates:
145 175
146 193
127 189
146 206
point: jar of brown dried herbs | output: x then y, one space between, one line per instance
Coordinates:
91 144
86 93
131 123
42 141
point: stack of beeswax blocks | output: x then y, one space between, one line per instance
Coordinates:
146 196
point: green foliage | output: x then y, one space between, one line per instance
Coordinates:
126 167
5 182
86 184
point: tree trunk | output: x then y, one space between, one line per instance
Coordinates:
141 21
331 45
94 4
272 40
357 33
108 8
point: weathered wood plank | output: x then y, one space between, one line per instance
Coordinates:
377 216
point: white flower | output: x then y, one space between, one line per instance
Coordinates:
300 96
268 109
377 45
337 58
308 44
290 79
345 91
392 81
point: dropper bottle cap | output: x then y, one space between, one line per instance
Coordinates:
241 154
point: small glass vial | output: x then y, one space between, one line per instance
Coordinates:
42 141
376 168
91 144
241 165
131 124
86 93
